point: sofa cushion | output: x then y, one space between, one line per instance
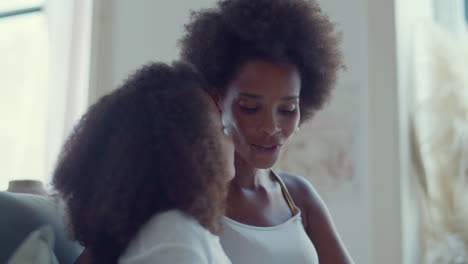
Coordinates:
21 214
37 248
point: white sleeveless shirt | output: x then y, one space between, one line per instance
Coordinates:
281 244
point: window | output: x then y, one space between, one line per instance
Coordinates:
24 71
466 11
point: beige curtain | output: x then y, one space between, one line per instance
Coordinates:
69 23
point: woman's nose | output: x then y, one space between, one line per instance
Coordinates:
269 125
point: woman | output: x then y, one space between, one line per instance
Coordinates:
144 174
270 64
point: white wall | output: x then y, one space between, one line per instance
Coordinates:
386 228
384 164
395 211
337 136
131 33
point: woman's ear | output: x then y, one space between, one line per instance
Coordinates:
217 99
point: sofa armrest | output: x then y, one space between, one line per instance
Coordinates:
21 214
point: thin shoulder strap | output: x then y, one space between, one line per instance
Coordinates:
84 257
286 194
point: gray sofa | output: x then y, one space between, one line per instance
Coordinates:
20 214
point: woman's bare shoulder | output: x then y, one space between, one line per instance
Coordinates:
302 191
317 220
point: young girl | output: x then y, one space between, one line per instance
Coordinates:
144 172
270 64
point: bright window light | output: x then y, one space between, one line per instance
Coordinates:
24 65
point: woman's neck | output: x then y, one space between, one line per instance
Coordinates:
247 176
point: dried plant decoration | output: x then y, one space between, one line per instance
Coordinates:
440 143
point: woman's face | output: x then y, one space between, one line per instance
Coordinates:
227 146
260 110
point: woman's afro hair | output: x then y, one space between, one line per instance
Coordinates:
219 40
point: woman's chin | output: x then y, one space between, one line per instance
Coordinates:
264 163
258 161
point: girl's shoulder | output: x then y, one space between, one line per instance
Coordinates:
172 228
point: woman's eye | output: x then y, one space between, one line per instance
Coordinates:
249 109
288 110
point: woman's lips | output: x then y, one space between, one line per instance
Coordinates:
265 149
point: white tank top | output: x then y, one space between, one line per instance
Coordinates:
284 243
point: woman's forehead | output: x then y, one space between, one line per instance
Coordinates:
260 76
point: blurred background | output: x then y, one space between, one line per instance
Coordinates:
389 154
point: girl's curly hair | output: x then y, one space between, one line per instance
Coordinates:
145 148
219 40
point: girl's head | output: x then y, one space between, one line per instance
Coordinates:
154 144
270 63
